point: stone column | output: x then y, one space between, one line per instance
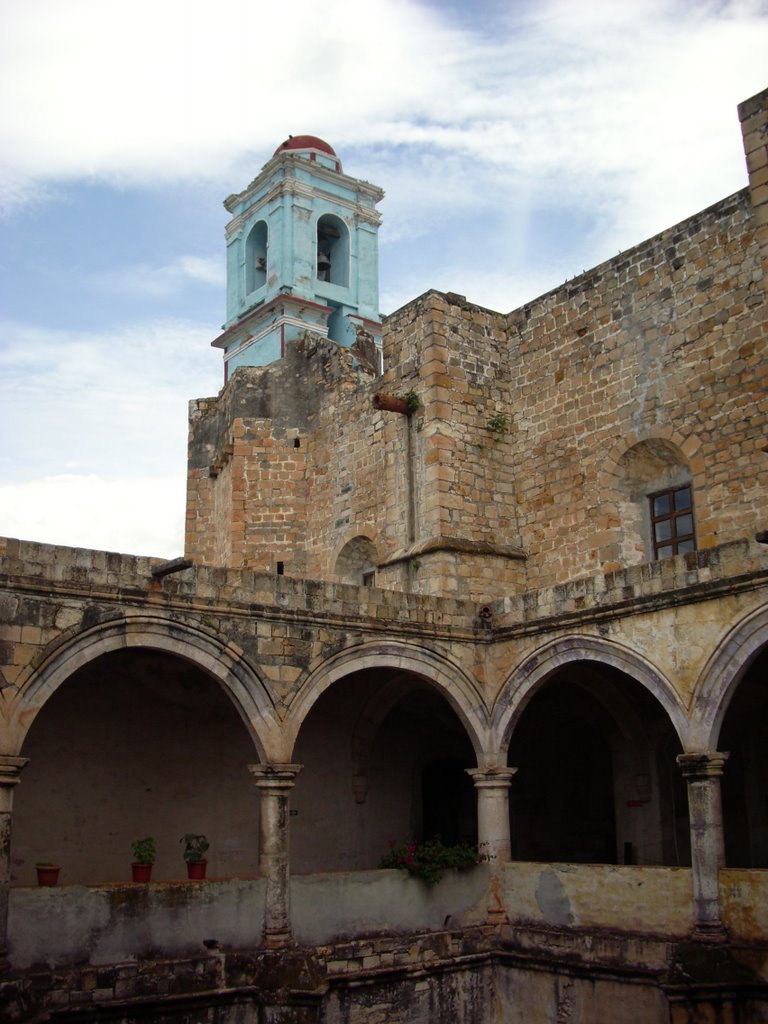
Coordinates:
492 785
274 782
10 769
702 773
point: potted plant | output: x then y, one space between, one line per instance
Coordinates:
143 858
195 847
47 874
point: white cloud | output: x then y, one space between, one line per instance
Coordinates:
109 412
627 110
208 270
165 280
183 89
112 403
143 515
177 88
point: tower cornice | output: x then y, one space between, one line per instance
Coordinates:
293 187
273 307
290 162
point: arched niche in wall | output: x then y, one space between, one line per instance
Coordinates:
333 250
356 562
256 257
655 502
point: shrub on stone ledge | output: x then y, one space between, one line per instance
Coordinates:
430 860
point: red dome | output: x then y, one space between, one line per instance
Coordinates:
305 142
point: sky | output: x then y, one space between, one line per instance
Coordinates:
519 143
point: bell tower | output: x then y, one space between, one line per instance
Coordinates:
302 255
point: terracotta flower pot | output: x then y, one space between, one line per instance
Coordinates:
196 868
141 872
47 874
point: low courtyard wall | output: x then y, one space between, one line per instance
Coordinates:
116 923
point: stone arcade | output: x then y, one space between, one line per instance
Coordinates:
501 577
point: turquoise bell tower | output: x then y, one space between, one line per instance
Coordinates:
302 255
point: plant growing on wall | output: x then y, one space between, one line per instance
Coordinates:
413 401
430 860
497 424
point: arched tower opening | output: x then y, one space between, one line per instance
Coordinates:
256 257
356 562
333 250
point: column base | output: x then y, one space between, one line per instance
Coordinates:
494 911
710 931
277 939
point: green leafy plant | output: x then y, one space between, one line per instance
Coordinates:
430 860
144 850
195 847
497 424
413 401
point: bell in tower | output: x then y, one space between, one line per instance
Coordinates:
302 255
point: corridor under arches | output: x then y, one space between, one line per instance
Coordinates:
136 742
744 785
597 778
384 757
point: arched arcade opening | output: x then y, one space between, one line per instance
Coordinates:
384 758
597 779
744 784
136 742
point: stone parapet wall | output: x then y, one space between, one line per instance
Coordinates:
698 575
91 573
443 975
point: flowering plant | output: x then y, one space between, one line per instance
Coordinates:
431 859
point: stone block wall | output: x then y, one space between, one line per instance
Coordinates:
753 114
664 346
538 434
259 455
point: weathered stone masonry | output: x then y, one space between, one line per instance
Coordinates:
646 350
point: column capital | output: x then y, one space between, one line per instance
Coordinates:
11 768
705 764
491 778
275 775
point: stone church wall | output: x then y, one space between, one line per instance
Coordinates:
537 436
